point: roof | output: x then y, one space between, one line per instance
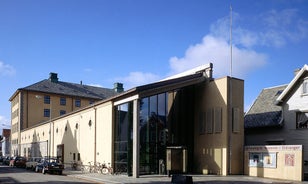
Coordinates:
264 112
291 85
69 89
195 76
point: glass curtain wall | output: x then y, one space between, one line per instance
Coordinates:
123 138
153 132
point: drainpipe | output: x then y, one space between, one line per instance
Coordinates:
95 134
230 126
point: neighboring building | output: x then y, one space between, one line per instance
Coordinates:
134 129
280 114
48 99
5 142
264 117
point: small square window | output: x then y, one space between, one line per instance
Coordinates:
46 112
62 112
62 101
47 99
77 103
301 120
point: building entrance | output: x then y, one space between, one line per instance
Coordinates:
164 121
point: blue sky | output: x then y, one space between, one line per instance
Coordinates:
137 42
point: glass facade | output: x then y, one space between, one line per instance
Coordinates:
153 135
123 132
153 132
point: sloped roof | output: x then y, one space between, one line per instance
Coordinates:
191 77
289 88
70 89
264 112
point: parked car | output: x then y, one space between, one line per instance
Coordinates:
20 162
6 160
49 165
32 162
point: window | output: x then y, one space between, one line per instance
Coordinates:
46 112
305 86
301 120
279 92
47 99
62 101
62 112
218 119
201 122
235 120
77 103
209 121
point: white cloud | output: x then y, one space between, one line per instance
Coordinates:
4 122
278 28
217 50
137 78
281 27
6 70
270 29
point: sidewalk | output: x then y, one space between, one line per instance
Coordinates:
162 179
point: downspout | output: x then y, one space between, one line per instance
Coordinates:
95 118
53 138
230 117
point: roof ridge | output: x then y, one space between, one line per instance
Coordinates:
278 86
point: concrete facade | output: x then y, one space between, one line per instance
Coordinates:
211 109
46 100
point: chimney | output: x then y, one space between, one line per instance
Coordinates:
53 77
118 87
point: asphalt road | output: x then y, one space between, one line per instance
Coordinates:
9 175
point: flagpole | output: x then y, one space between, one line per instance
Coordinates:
231 40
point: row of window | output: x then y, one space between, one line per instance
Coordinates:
211 120
63 101
47 112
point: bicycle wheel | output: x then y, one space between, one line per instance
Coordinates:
105 171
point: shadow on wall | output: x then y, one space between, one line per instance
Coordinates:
37 148
68 151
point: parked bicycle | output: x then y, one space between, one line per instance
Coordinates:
84 168
74 165
107 169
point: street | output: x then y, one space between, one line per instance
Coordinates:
10 175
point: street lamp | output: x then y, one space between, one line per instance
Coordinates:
48 141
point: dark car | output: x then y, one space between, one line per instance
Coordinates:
6 160
20 162
49 165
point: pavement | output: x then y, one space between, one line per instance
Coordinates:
162 179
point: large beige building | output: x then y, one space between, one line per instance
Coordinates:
48 99
133 129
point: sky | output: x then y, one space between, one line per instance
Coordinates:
136 42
